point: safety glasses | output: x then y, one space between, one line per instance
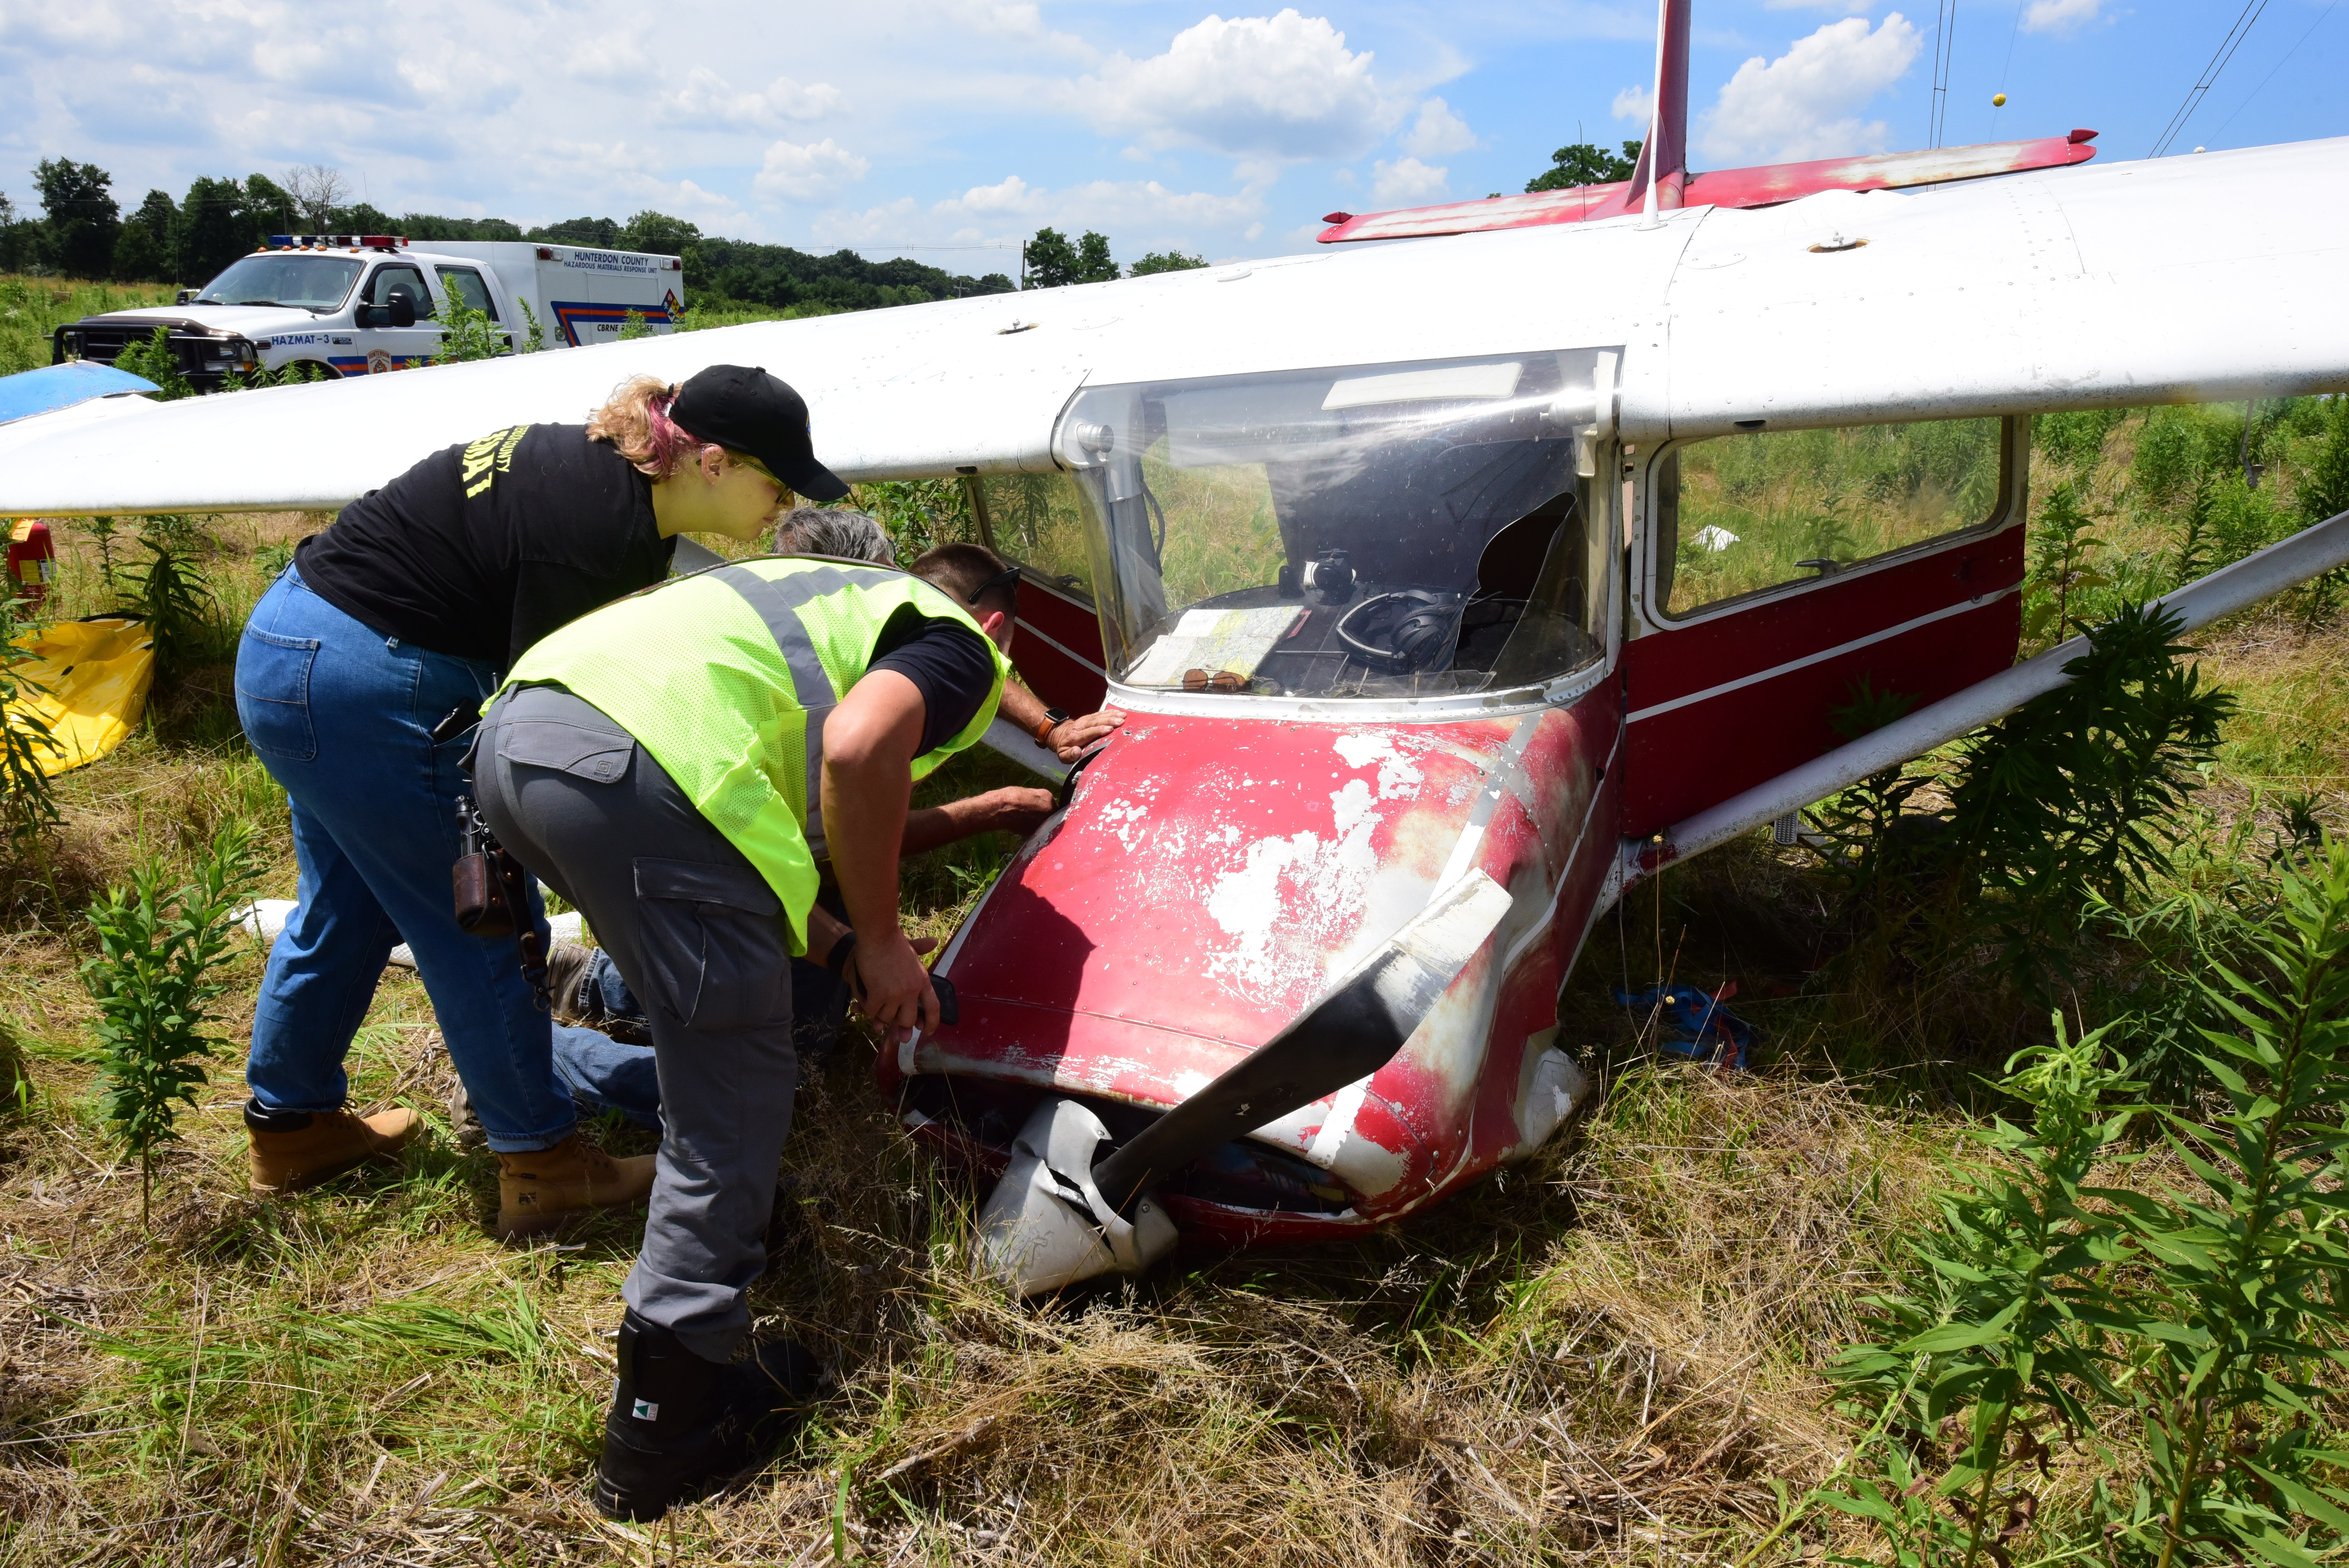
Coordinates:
1006 578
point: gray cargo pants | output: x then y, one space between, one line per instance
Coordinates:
700 937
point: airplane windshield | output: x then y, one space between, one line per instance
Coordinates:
1380 531
272 277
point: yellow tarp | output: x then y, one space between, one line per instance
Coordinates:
98 675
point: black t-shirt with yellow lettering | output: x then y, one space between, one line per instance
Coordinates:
481 550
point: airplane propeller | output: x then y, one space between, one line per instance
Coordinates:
1058 1217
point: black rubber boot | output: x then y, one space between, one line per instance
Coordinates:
678 1422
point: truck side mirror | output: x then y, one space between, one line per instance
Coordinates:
403 309
184 297
367 316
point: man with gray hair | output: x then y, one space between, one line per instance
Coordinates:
833 531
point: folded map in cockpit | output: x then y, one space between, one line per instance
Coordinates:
1214 641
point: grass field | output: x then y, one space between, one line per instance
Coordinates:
1610 1354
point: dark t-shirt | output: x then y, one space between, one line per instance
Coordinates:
948 665
481 550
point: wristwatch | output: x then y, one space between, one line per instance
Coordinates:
1053 718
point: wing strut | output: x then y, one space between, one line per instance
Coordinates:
1663 170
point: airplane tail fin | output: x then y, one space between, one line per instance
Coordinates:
1664 157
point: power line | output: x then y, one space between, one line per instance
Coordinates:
2279 65
1945 39
2227 47
2007 69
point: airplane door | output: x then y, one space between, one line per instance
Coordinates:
1035 520
1784 579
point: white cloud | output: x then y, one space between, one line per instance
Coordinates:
1023 22
1438 132
1635 103
1805 103
1408 182
1103 204
1274 86
607 57
2059 15
1138 215
808 172
707 98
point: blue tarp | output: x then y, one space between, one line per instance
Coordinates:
55 387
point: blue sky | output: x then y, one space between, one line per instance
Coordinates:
954 123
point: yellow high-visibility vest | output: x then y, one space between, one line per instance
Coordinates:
726 678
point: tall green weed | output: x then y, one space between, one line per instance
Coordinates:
154 978
2195 1320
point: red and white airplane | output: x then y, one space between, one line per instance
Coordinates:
1454 584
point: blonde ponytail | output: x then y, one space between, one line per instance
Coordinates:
636 420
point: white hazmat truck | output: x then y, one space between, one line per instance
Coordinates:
359 304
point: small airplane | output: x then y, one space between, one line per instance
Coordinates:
1454 585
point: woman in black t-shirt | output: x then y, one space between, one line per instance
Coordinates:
405 613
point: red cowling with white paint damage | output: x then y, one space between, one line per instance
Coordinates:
1208 881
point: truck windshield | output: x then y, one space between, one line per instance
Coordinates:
1379 531
272 277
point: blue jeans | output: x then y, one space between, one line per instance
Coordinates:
607 1075
342 717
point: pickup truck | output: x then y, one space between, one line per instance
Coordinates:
359 304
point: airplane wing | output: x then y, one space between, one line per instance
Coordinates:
2186 279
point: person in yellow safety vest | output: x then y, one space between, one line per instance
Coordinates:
357 675
674 765
604 1059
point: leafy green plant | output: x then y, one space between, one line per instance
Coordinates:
918 514
177 604
30 807
2059 566
2054 1301
2068 798
154 979
299 373
180 529
2008 1349
467 333
155 360
534 339
2245 1302
2071 794
632 326
103 532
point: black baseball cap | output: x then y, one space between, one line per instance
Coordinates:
744 409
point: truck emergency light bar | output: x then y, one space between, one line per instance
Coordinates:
329 242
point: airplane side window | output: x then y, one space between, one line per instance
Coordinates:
1739 515
1038 521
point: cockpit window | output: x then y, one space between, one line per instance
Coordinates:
1380 531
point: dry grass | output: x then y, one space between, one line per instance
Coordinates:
1606 1355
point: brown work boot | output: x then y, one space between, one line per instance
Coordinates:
540 1188
567 966
324 1145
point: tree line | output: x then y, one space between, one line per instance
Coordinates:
83 231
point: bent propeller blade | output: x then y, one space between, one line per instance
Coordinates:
1352 1031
